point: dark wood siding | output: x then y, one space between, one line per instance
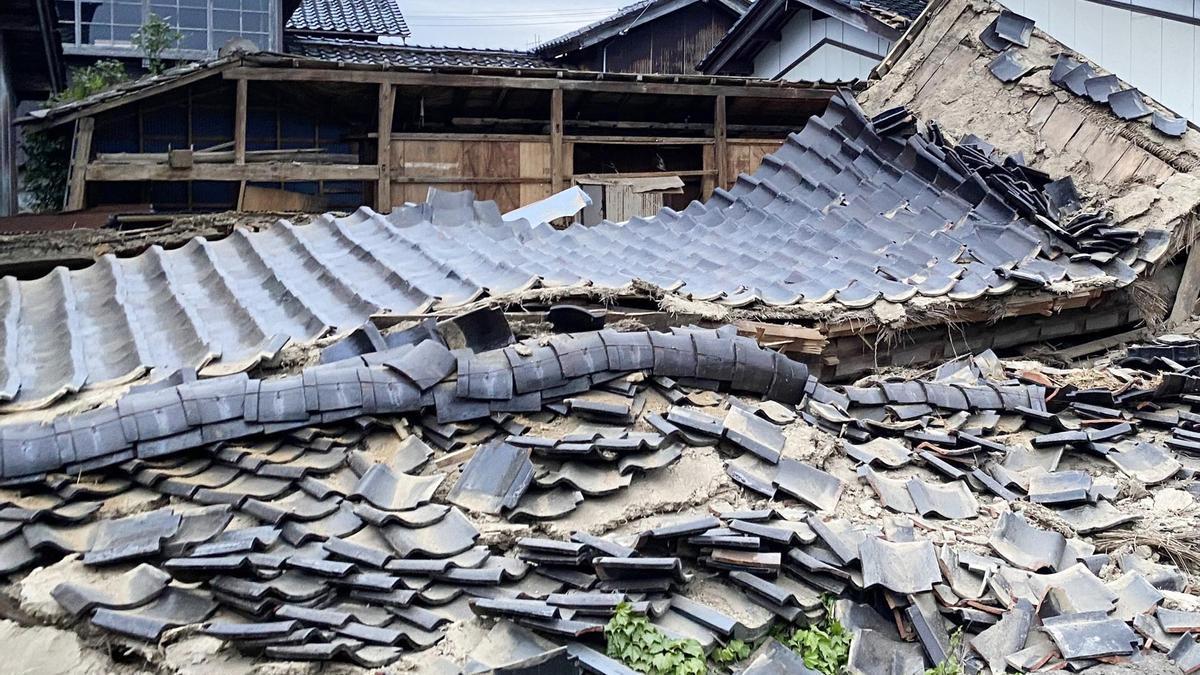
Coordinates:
674 43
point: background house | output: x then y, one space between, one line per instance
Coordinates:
653 36
827 40
31 69
1152 44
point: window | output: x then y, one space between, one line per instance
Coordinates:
106 27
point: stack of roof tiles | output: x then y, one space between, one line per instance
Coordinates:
849 211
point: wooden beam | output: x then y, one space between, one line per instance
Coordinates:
556 141
81 150
239 122
1189 288
387 109
720 143
256 172
443 80
708 164
472 180
122 100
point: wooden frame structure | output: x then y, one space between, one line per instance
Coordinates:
716 156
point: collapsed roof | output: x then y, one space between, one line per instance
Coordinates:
849 212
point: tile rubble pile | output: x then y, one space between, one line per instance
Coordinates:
1010 32
309 541
847 212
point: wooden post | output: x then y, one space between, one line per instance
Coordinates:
556 140
1189 288
387 110
239 123
720 147
708 165
81 150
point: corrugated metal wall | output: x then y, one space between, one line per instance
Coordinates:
1156 54
817 50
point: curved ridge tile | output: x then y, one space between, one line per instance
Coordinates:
10 313
180 337
51 353
115 349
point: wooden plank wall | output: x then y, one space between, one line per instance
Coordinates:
520 169
745 157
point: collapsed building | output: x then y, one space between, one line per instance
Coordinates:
328 442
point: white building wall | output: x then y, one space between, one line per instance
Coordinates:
829 61
1156 54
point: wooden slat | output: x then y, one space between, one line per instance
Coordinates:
383 186
443 80
556 140
720 136
708 164
239 123
1189 289
267 172
534 162
76 197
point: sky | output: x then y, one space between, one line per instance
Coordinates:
515 24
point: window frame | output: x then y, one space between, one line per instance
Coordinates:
76 48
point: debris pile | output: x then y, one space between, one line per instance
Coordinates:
355 518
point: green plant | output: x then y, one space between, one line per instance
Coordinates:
153 38
635 642
734 651
824 648
44 175
91 80
45 172
952 664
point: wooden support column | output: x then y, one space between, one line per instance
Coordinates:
720 144
239 123
556 140
387 110
81 150
1189 288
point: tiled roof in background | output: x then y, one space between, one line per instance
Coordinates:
630 14
367 51
370 17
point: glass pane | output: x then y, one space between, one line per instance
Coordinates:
123 34
193 3
220 37
128 15
194 39
227 4
193 18
226 20
97 34
66 10
253 22
256 5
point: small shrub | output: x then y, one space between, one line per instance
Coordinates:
90 80
635 642
824 648
733 652
153 38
